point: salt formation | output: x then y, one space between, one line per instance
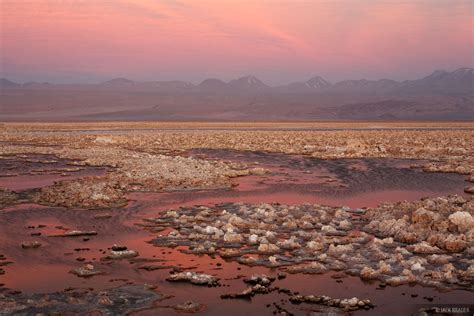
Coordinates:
429 242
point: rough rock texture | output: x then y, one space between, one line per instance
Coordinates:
259 284
30 244
85 271
346 304
189 307
134 171
117 301
144 161
390 243
89 192
194 278
76 233
445 222
120 252
7 198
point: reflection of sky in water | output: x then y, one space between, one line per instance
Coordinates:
294 180
20 172
352 182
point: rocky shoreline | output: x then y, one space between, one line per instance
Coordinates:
143 161
427 242
400 243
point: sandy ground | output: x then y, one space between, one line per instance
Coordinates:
235 125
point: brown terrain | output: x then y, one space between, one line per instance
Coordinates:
441 95
286 218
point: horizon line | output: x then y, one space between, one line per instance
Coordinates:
229 81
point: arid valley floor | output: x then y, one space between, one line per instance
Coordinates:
363 218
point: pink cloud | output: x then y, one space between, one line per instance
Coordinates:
150 38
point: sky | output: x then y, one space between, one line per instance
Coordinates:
276 40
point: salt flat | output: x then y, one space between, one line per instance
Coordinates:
120 203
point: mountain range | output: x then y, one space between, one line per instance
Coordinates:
439 95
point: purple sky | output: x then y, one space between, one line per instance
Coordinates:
278 41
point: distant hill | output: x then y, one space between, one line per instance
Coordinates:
314 84
213 85
5 83
123 83
362 86
248 83
460 81
118 82
440 95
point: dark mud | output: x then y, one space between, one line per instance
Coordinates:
117 301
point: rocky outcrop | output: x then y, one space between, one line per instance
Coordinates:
389 243
118 301
7 198
194 278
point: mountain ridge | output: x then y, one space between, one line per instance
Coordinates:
441 95
458 81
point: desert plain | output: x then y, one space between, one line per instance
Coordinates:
278 218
